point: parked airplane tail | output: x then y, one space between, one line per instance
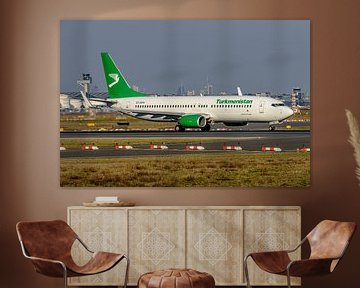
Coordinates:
115 81
86 101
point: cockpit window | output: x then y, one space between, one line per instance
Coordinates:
277 104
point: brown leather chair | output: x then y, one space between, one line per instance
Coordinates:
48 245
328 242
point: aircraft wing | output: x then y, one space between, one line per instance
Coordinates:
156 116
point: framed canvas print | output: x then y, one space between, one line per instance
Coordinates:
200 103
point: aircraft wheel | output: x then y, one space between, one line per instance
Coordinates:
178 128
272 128
206 128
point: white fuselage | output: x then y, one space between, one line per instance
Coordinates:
230 109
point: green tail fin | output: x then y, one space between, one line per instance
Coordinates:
115 81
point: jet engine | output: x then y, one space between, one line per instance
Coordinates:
192 121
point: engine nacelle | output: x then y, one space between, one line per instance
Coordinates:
192 121
235 123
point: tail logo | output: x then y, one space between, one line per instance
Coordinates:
116 79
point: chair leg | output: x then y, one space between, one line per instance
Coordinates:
288 278
246 270
65 276
127 271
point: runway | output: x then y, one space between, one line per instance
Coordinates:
213 141
187 134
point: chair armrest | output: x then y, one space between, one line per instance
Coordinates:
268 253
49 267
271 261
280 251
46 260
309 267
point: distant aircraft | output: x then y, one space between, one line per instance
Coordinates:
69 104
190 111
98 103
64 102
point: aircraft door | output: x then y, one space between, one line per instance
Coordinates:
261 107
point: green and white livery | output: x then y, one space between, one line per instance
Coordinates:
190 111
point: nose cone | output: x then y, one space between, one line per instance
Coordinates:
288 112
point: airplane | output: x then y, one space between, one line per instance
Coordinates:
190 111
97 103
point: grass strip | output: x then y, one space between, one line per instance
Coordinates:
288 169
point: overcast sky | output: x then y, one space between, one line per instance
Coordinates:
159 56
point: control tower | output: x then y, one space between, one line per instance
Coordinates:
85 83
296 98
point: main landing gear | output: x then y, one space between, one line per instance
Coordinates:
206 128
271 128
178 128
